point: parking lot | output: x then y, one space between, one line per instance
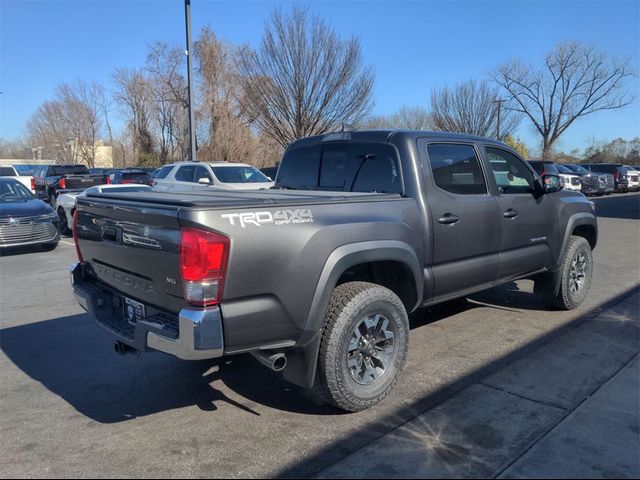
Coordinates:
72 407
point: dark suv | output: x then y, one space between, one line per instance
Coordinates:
621 182
593 183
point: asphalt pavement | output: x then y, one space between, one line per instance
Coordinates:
495 385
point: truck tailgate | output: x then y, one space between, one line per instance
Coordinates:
83 181
134 249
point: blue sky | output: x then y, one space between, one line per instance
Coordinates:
413 46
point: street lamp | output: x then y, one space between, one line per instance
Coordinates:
499 102
192 132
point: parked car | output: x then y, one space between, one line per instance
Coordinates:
315 276
633 175
592 183
52 179
27 180
138 176
270 172
570 179
621 182
25 220
190 176
65 205
544 167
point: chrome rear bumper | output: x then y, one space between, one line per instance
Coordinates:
194 334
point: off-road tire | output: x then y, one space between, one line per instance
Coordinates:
566 299
64 224
350 303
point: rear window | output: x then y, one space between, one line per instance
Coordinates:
7 172
344 167
163 172
69 170
538 167
239 174
136 176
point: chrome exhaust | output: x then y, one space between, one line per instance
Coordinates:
276 361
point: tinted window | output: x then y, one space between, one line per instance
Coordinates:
565 170
578 169
456 168
139 176
239 174
69 170
350 167
551 168
300 168
7 172
538 167
185 174
202 172
511 173
163 172
334 169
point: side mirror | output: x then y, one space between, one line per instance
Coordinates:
204 181
552 183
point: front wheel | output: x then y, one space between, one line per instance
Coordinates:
363 347
576 271
64 224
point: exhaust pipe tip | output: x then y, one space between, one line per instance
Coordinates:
276 361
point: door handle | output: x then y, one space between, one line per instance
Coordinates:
511 213
449 219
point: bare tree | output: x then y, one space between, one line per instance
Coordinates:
574 81
225 133
132 93
16 148
412 118
303 79
67 128
470 107
168 99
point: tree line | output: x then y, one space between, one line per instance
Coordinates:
304 79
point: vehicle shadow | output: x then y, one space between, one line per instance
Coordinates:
74 358
624 206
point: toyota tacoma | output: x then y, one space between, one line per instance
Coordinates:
316 276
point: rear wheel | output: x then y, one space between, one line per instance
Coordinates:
363 347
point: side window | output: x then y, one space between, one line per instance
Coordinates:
456 168
201 172
185 174
511 173
164 171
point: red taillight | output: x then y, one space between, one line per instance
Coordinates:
203 265
63 184
126 180
108 179
75 235
33 184
616 176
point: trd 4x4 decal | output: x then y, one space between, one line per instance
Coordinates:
279 217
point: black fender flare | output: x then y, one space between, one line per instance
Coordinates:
302 359
552 278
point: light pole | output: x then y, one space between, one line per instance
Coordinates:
498 101
192 132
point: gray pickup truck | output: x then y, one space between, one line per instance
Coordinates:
315 277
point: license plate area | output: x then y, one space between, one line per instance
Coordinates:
133 311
